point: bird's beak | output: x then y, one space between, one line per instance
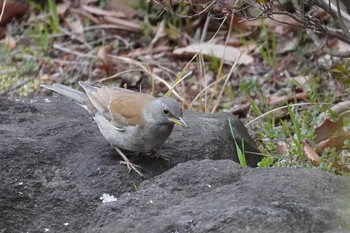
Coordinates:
179 121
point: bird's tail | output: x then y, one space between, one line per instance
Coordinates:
78 96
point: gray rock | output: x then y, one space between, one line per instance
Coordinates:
55 166
220 196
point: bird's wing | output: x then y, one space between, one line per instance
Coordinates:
127 108
120 106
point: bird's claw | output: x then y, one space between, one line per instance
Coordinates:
132 166
127 162
160 156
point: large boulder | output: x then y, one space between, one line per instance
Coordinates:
55 165
220 196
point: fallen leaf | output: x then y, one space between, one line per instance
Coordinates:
343 47
282 147
101 12
326 129
276 100
341 107
104 54
123 6
87 2
10 42
302 80
159 34
234 41
282 23
310 152
85 14
124 24
341 167
230 54
12 10
62 7
144 51
289 46
75 25
2 32
239 23
336 142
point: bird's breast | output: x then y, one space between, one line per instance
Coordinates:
134 138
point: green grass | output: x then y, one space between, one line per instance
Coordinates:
268 47
239 148
54 23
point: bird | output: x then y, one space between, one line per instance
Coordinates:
127 119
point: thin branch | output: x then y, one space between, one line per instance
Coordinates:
3 9
341 22
322 46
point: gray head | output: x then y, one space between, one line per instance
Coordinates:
166 110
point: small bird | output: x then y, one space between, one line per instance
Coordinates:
129 120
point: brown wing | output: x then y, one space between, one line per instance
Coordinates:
121 106
126 108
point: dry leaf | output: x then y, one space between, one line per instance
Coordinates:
336 142
326 129
124 24
123 6
234 41
282 147
276 100
239 23
159 34
2 32
12 10
10 42
46 78
104 54
302 80
62 8
144 51
310 152
343 47
99 11
341 107
75 25
341 167
229 53
291 45
85 14
87 2
282 23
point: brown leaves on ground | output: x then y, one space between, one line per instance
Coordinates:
329 134
335 134
12 10
104 53
278 100
228 53
211 56
326 129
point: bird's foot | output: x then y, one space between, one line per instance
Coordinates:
160 156
127 162
132 166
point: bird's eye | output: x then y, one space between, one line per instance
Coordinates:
165 111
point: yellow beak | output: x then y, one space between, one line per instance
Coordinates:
179 121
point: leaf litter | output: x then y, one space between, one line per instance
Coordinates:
270 53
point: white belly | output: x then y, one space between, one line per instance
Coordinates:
133 138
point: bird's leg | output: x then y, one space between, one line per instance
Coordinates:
160 156
127 162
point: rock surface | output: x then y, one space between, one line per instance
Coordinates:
219 196
55 166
